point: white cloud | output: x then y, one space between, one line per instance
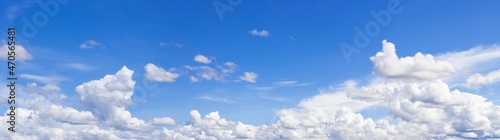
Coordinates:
43 79
262 33
208 73
473 58
420 66
163 121
417 108
249 77
477 80
80 67
291 83
202 59
171 43
108 97
279 99
21 53
216 99
158 74
90 44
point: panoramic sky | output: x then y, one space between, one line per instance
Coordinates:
241 69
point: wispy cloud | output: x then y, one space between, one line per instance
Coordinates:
171 43
90 44
292 83
262 33
13 10
279 99
80 67
278 84
44 79
216 99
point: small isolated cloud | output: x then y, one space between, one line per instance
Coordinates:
262 33
90 44
158 74
171 43
216 99
202 59
420 66
43 79
292 38
477 80
20 52
80 67
163 121
249 77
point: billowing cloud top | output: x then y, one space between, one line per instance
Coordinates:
420 66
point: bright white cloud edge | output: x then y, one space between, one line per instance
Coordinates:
425 108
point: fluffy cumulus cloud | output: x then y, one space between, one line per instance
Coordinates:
261 33
163 121
202 59
158 74
249 77
420 66
418 107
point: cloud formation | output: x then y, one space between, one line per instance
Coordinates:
20 52
477 80
158 74
420 66
250 77
261 33
90 44
202 59
219 73
422 107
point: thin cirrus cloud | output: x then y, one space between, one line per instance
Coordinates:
419 108
216 99
52 79
171 43
158 74
261 33
90 44
80 67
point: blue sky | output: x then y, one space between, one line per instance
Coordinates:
294 52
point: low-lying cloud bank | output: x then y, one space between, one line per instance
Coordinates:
414 90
